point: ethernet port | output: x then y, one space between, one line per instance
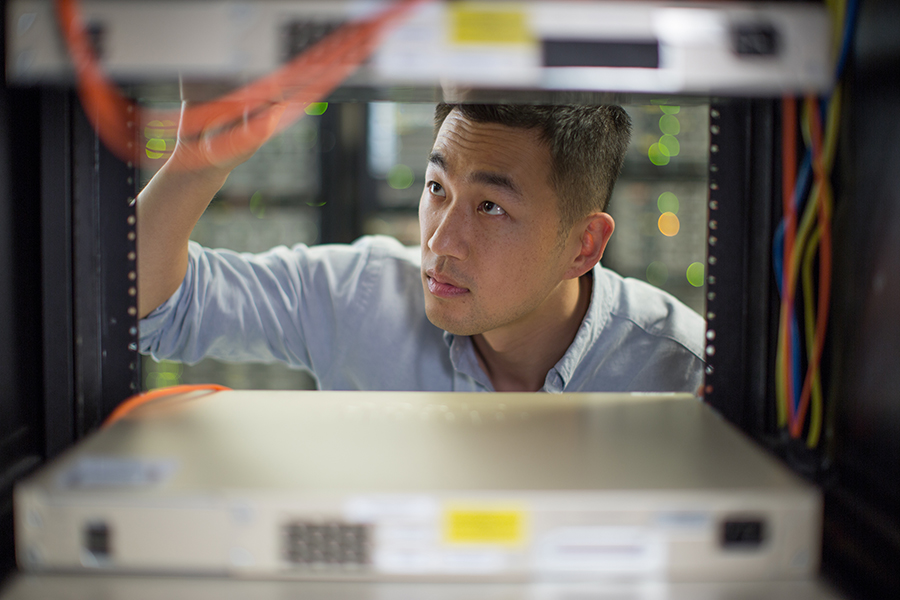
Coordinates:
743 533
96 543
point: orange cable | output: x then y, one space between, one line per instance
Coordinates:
823 203
307 78
789 181
140 399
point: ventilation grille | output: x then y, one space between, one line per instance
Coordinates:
326 545
298 36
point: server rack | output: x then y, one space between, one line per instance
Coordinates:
66 340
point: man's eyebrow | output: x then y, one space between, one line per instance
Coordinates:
496 180
483 177
437 159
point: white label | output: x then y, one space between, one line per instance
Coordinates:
375 508
405 531
474 562
610 550
684 520
102 471
408 561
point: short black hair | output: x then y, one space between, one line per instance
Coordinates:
587 147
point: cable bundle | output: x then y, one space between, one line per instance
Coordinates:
807 195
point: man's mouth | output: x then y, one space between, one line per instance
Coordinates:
443 286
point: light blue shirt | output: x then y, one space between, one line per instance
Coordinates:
354 315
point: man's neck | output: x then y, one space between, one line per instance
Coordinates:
517 358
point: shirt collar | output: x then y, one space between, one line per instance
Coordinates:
594 321
463 359
462 350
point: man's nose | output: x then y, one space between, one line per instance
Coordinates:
450 235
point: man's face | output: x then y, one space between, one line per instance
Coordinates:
491 249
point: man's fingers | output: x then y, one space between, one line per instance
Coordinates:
225 143
234 145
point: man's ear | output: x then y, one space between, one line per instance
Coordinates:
593 234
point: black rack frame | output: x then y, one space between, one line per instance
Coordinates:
72 341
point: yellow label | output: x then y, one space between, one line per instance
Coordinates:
485 526
479 23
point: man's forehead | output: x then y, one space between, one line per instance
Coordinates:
457 123
474 145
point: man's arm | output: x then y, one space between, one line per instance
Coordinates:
174 200
167 211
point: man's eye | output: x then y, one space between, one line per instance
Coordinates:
490 208
436 189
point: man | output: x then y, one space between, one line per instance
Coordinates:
507 294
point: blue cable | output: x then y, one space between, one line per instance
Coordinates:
778 264
804 181
850 16
801 190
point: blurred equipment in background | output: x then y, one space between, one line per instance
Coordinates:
733 48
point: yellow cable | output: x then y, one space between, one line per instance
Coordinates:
803 231
802 241
837 10
812 343
808 244
829 150
790 279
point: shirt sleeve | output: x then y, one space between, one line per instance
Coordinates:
283 305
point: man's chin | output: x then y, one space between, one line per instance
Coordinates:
451 325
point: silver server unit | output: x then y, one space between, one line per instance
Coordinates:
396 486
643 46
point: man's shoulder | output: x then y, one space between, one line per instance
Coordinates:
651 310
370 249
363 258
389 248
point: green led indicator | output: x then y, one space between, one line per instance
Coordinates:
658 156
670 144
667 202
257 205
316 108
657 273
669 125
163 374
156 148
695 274
400 177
